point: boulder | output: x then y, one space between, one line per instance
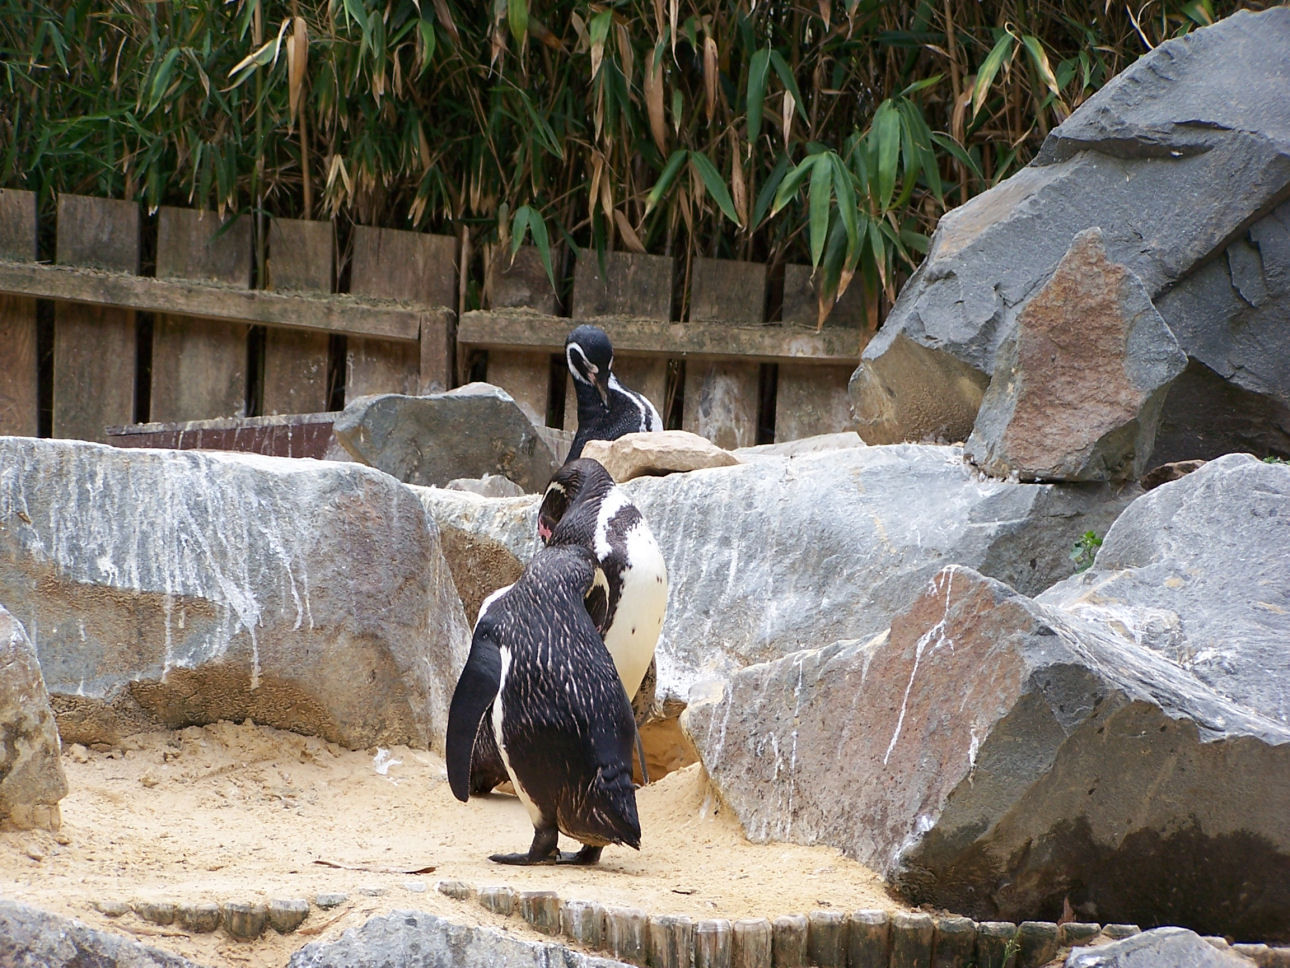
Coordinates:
1202 119
782 554
471 431
816 444
1001 758
1175 947
1079 382
31 774
490 485
657 453
34 937
420 938
168 588
1198 570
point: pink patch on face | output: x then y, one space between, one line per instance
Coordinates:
544 532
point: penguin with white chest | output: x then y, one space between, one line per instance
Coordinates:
559 718
606 409
583 506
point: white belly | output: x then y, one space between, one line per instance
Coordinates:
638 619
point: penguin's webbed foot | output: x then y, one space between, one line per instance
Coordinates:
584 858
542 851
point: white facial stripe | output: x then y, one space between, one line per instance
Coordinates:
573 368
483 609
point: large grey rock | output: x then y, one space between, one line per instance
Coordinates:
783 554
997 757
1172 947
1079 382
166 588
471 431
1179 156
417 939
1198 570
31 773
32 938
1230 314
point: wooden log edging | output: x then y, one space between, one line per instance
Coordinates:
820 939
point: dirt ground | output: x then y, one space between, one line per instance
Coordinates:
244 813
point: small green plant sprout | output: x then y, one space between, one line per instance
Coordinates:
1275 460
1085 549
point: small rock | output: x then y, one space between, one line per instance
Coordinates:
329 901
77 753
414 887
657 453
1161 946
148 780
158 912
34 852
200 917
1118 932
287 914
1164 473
112 909
490 485
458 890
372 890
245 922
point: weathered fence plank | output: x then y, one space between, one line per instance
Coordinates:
722 396
301 255
634 286
813 399
199 365
419 269
19 392
94 346
523 285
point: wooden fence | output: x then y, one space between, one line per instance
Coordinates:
90 342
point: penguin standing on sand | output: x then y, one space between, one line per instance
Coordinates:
606 409
583 506
560 720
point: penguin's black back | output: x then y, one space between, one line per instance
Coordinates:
567 727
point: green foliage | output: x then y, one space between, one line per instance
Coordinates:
1085 550
834 132
1275 460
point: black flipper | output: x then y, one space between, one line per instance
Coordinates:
475 692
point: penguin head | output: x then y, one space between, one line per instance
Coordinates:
590 356
572 485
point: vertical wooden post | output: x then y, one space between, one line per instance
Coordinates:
19 393
94 346
671 941
994 943
633 285
751 943
521 285
498 899
416 268
813 399
788 941
911 939
712 944
722 396
625 935
826 939
868 939
583 922
199 365
541 909
954 942
301 257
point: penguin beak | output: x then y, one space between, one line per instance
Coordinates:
601 383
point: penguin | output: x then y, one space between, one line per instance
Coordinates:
606 409
583 506
560 720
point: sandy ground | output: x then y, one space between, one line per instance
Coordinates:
246 813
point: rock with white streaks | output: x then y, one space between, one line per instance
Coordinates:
31 774
782 554
1198 570
1001 758
167 588
30 937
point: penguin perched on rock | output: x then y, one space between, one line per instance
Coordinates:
583 506
606 409
559 717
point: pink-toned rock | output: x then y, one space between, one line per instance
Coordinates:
1078 386
31 775
656 454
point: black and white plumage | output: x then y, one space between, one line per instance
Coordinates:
606 409
560 720
583 506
